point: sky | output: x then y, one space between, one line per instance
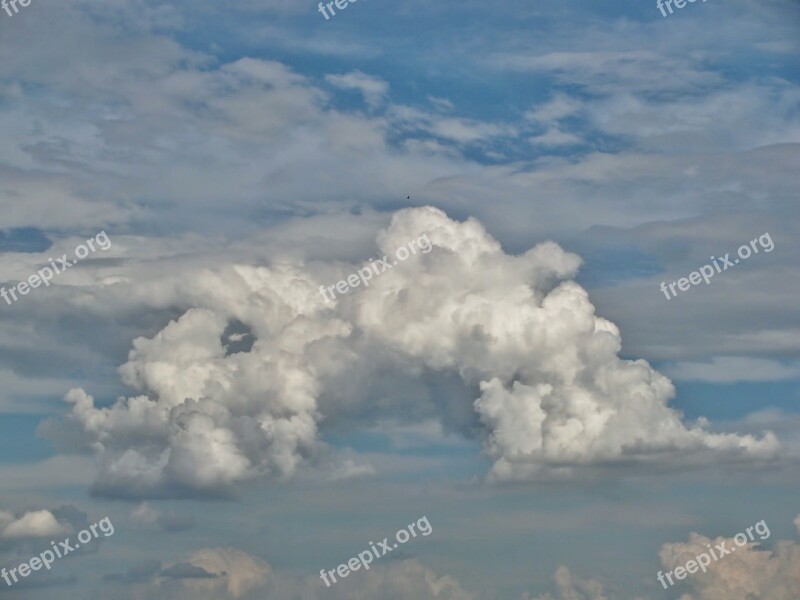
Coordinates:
277 284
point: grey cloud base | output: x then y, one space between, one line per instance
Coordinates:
551 394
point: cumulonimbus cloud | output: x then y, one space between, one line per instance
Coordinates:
541 371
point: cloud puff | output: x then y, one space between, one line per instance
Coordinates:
238 572
33 524
541 371
752 573
146 514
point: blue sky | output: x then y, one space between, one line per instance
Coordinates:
191 384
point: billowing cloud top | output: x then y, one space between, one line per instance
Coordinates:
33 524
752 572
540 370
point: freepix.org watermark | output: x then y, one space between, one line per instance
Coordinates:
364 275
668 3
48 557
340 4
365 558
703 560
7 5
45 274
706 272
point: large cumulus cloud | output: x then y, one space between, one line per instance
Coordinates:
538 367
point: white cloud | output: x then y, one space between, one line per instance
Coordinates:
749 572
743 117
147 514
555 137
372 88
752 573
33 524
238 572
557 108
554 396
453 129
612 70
